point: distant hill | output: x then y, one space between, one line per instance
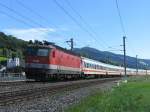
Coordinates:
11 46
111 58
11 42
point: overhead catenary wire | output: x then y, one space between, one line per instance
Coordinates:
122 24
37 14
124 40
130 45
21 15
69 15
19 20
120 18
124 37
84 21
74 19
33 12
27 21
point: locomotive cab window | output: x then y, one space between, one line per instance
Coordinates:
37 51
42 52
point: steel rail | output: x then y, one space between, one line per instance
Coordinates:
7 98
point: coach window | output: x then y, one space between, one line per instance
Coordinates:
84 64
93 66
97 67
90 65
87 65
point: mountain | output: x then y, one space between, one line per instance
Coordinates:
112 58
11 46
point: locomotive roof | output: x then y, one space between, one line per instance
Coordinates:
65 50
57 47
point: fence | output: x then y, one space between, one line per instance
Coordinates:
12 76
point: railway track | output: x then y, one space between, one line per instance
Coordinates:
8 98
14 83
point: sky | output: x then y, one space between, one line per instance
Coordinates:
93 23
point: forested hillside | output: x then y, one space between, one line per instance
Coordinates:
11 46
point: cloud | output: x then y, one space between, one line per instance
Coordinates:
31 33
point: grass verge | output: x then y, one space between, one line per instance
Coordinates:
133 96
3 58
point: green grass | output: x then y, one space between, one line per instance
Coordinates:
3 58
131 97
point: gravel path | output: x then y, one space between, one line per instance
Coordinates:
57 102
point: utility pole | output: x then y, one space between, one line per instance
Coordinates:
146 69
71 43
136 64
124 50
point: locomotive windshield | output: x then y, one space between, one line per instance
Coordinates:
37 51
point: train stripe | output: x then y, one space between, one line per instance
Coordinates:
51 66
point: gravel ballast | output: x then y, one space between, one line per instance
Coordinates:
56 102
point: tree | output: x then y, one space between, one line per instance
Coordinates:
37 42
14 55
30 42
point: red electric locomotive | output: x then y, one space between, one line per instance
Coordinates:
50 61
